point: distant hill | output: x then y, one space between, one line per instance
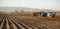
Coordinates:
19 9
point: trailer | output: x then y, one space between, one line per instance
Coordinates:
48 14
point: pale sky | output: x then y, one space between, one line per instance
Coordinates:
41 4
